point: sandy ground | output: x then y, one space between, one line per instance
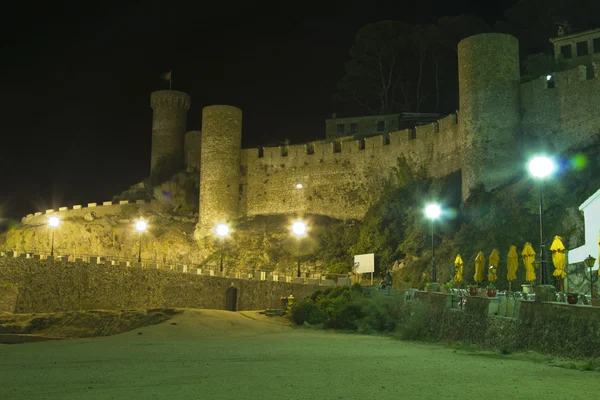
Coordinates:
203 354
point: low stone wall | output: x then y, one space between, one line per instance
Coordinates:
547 327
8 297
48 286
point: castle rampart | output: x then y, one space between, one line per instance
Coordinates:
566 115
342 178
107 208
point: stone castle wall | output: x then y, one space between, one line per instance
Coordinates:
341 179
47 286
564 116
99 210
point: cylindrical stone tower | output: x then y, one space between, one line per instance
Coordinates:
219 166
169 123
489 116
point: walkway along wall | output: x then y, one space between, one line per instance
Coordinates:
49 286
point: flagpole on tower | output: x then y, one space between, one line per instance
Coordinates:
168 77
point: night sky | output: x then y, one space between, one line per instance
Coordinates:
77 77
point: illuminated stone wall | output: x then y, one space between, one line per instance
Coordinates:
47 286
566 115
343 179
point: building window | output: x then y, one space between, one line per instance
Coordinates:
597 45
353 127
340 129
566 51
582 49
380 126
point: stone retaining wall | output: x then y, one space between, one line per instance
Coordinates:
547 327
49 286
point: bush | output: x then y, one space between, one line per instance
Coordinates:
350 309
306 311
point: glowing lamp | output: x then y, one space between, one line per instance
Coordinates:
222 230
141 225
53 221
433 211
299 228
541 167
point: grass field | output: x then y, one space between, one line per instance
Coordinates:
204 354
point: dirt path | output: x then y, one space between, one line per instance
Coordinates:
220 355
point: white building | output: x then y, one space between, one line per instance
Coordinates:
591 216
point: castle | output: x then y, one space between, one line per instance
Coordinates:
342 177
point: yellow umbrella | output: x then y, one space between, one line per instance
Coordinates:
479 263
513 263
458 263
528 258
559 258
494 261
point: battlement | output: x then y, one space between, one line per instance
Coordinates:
79 210
345 145
170 98
572 78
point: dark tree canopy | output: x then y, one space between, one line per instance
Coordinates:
400 67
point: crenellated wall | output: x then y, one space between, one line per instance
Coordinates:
341 179
566 115
97 210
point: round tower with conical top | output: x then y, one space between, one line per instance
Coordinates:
169 124
489 117
219 166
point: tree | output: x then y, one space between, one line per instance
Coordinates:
374 72
399 67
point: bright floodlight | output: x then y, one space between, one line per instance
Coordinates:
222 230
299 228
548 77
433 211
53 221
299 186
541 167
141 225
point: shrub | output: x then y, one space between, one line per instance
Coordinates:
306 311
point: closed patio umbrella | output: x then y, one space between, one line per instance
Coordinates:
528 257
479 264
512 265
559 259
458 263
493 267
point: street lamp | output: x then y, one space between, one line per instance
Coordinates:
222 231
589 262
299 230
541 167
433 211
53 223
140 226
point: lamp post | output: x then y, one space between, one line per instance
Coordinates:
299 230
53 223
140 226
589 262
222 231
433 211
541 167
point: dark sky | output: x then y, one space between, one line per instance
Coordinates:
76 81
